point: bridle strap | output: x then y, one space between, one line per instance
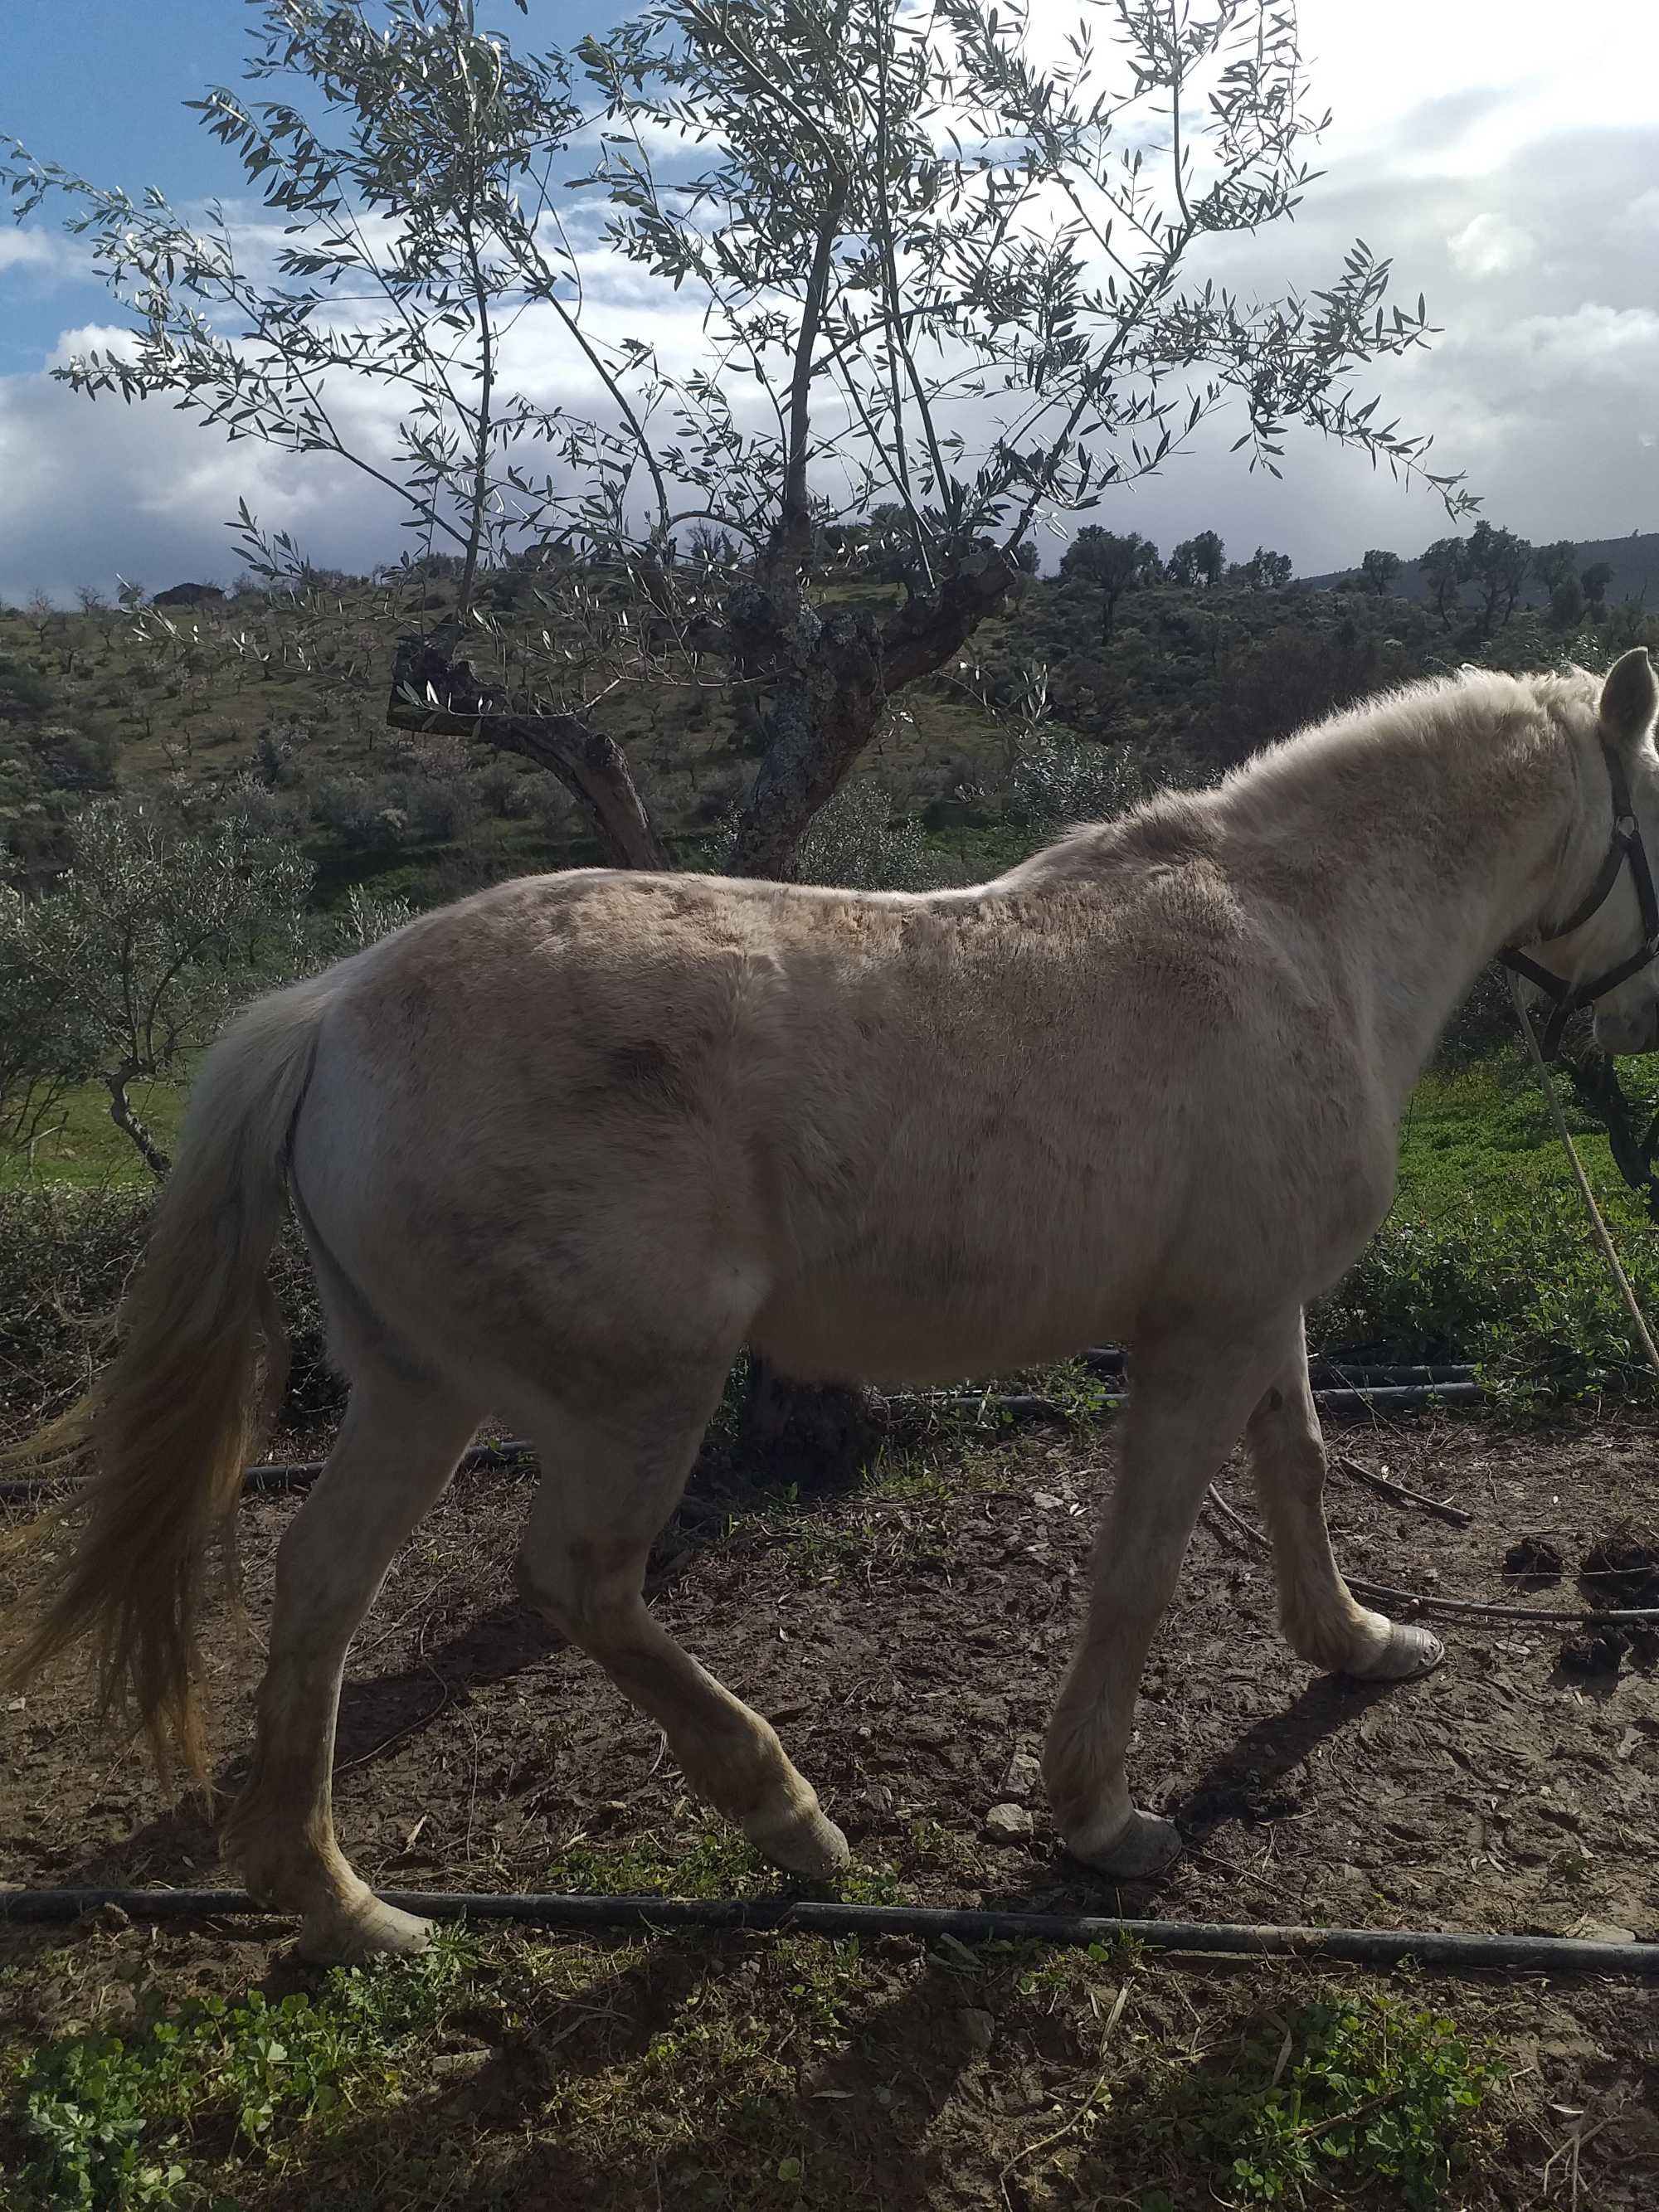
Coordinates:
1626 844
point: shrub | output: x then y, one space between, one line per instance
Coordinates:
66 1254
1057 781
24 690
505 790
856 843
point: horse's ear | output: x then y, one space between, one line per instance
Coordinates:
1630 699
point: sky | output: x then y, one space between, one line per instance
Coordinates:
1505 155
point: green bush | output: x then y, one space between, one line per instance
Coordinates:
66 1253
1486 1255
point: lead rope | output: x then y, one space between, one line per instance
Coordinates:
1639 1322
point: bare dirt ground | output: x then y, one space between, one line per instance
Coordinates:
907 1643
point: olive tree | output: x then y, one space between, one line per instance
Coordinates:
1112 562
1379 568
938 260
932 267
158 929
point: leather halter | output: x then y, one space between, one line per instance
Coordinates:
1627 845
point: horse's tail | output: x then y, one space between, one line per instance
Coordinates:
167 1428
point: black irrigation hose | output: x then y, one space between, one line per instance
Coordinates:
297 1475
1356 1396
1107 1359
1362 1946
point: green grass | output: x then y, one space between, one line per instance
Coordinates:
719 1862
1487 1253
81 1144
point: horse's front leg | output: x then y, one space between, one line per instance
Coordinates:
1187 1402
1316 1610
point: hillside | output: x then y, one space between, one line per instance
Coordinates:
1043 719
1633 560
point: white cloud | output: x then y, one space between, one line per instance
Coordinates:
91 338
1488 244
1508 171
1477 78
46 251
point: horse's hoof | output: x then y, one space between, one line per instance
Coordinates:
1408 1653
1141 1847
803 1843
369 1930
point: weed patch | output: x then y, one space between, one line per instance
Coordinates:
1371 2101
108 2121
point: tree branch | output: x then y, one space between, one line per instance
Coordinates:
430 692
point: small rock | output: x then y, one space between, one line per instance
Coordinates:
1046 1501
1024 1774
978 2028
1603 1931
1008 1824
455 2061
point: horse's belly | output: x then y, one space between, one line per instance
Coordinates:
846 1328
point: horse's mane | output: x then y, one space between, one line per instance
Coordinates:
1456 719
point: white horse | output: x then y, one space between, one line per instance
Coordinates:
560 1150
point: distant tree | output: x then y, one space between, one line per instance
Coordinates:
1567 603
1553 563
1273 570
1111 562
129 966
196 595
42 615
1379 568
1595 581
1263 572
1445 566
1498 563
1195 560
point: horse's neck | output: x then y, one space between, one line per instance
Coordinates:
1426 858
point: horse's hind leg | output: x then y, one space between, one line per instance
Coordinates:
396 1452
1316 1610
605 1492
1186 1404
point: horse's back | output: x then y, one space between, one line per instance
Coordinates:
897 1135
